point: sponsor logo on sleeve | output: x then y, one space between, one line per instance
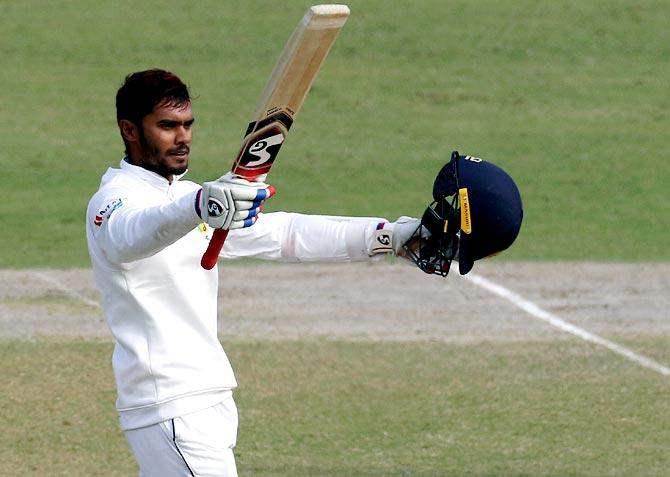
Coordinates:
107 211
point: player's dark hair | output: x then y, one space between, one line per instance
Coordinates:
143 91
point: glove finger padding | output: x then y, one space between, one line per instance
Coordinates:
248 204
231 202
240 224
407 230
246 214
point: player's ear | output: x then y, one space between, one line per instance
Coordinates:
129 130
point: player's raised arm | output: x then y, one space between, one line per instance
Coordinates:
282 98
126 229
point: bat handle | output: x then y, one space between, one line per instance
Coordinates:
211 255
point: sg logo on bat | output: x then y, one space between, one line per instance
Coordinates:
260 149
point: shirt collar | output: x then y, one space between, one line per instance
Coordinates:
149 176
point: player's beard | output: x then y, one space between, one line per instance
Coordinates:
156 160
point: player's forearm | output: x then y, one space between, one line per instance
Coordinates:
325 238
299 237
137 233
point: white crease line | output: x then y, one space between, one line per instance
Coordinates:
553 320
67 290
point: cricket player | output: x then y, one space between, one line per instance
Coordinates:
147 228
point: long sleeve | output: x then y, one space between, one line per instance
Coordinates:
299 237
129 232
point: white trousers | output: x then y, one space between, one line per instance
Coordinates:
198 444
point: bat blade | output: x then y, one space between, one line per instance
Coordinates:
282 99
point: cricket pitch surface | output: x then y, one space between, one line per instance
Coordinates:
371 301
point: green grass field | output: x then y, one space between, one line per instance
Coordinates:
319 408
569 96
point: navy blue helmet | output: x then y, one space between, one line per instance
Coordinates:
477 212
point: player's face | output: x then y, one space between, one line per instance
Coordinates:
165 139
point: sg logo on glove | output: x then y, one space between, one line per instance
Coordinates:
384 239
215 208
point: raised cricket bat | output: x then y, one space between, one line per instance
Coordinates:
282 98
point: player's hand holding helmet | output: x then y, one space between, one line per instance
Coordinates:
395 237
476 212
232 202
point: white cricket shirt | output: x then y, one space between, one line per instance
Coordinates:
145 241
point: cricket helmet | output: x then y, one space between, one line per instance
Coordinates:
477 212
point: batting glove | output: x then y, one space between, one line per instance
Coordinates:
231 202
390 237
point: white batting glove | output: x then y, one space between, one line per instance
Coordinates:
389 237
231 202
